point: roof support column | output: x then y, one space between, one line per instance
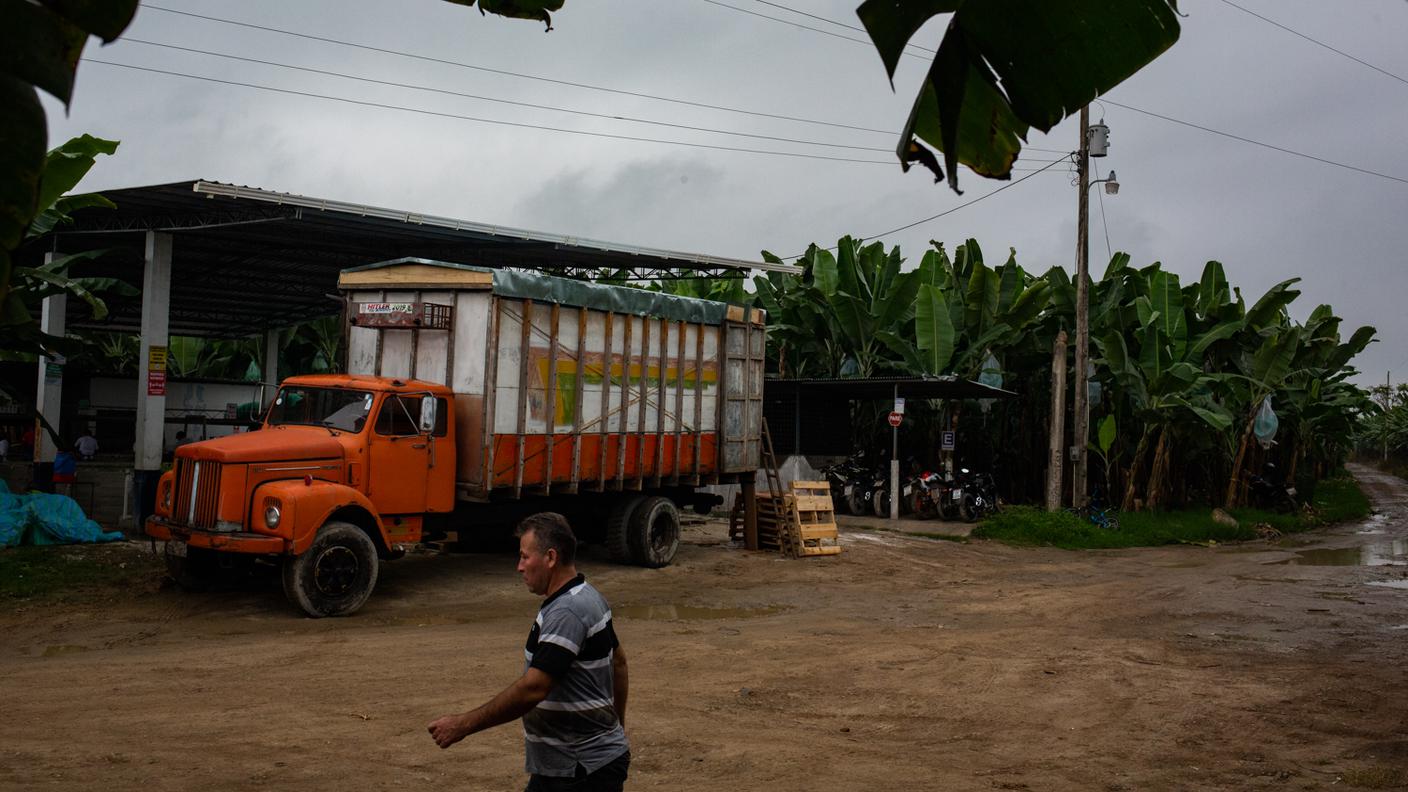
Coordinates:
270 369
151 378
51 375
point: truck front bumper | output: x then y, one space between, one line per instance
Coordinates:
159 528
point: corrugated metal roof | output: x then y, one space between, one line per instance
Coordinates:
247 259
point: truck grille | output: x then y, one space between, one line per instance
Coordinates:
197 493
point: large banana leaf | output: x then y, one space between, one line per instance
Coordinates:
934 330
1212 289
1272 361
40 45
1267 310
1346 351
1213 415
1006 65
898 302
1220 332
824 273
1167 299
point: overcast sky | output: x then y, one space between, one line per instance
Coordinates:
1187 196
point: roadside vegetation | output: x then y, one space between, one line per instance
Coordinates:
1337 499
1183 375
45 572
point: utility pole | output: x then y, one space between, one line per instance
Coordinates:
1056 461
1388 405
1080 404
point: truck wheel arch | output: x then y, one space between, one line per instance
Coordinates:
358 515
318 504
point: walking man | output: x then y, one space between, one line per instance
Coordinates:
572 695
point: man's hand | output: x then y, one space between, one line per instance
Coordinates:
447 730
516 700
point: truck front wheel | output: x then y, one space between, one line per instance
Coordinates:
335 576
655 532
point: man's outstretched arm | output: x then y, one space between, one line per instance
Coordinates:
513 703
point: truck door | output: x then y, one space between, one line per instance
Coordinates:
400 457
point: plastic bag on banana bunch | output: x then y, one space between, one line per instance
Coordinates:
1265 424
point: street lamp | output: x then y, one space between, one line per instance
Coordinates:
1112 185
1094 142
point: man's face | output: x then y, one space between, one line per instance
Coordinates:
535 567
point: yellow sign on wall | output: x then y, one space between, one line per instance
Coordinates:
156 358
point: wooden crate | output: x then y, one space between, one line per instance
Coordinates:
812 531
773 520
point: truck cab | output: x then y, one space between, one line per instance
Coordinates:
343 473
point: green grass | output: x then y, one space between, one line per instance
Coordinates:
39 572
1337 499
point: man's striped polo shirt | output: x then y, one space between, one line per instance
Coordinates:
573 642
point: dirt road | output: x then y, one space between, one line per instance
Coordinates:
904 663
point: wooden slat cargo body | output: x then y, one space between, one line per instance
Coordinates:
564 386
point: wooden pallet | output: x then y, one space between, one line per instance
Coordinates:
773 520
812 527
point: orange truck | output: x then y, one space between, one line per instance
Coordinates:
475 397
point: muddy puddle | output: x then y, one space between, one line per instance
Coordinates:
1391 553
1397 584
691 613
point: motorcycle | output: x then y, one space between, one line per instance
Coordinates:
977 497
938 494
880 497
850 480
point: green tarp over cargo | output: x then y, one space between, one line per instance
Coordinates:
535 286
44 519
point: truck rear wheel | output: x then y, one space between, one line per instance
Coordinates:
618 528
336 575
655 532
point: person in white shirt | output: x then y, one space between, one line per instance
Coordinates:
4 449
87 445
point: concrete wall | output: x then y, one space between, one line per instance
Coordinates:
182 398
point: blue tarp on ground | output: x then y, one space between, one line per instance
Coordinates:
43 519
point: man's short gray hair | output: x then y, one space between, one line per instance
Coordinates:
551 532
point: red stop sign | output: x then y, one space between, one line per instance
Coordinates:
896 419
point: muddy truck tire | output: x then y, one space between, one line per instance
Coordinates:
618 528
335 575
655 532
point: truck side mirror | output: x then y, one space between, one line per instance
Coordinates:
427 414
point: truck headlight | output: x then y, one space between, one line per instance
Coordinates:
166 496
272 515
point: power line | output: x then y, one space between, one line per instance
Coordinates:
962 205
1256 142
461 64
499 122
638 95
856 28
1315 41
800 25
411 86
966 204
495 121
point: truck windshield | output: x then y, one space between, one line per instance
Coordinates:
331 407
